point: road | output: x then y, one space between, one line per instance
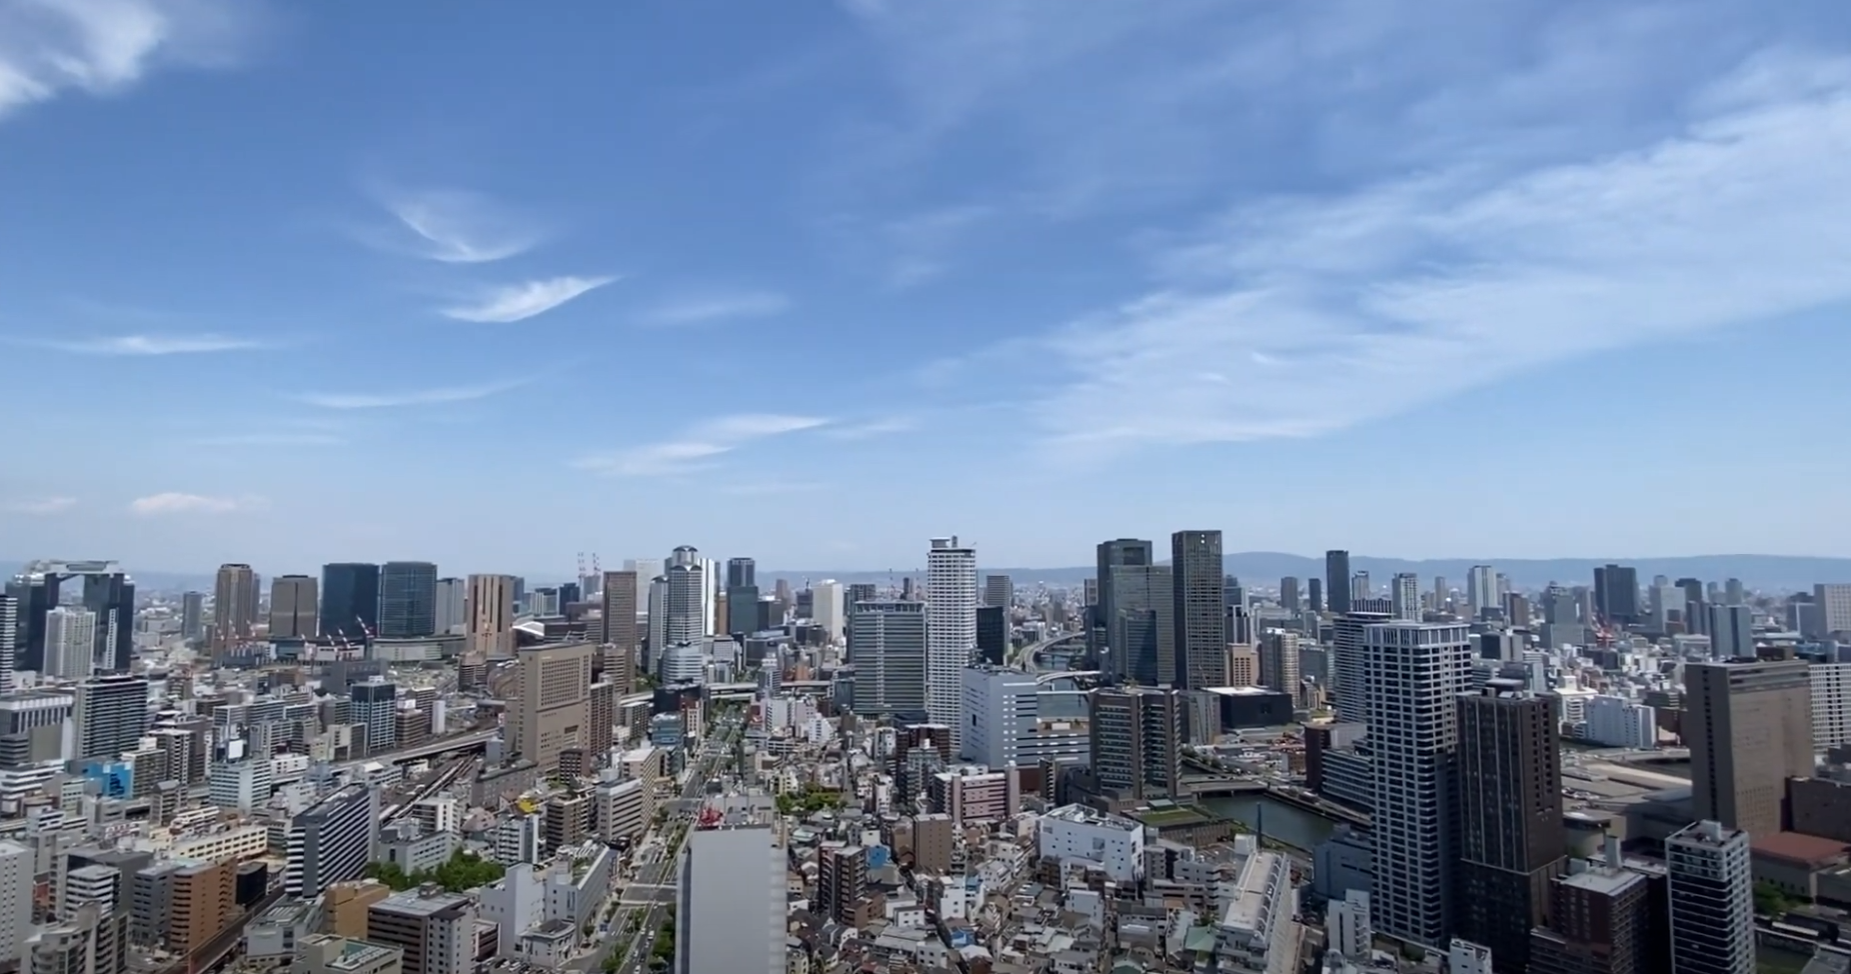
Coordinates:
650 891
1025 657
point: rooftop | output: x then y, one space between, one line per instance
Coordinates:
1798 847
1082 815
1603 880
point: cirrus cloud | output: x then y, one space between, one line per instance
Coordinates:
518 302
717 306
414 397
174 502
156 345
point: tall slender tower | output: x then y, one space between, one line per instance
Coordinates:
1200 613
488 614
234 607
1337 580
1712 900
618 593
951 630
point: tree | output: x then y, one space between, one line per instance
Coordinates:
462 871
1771 900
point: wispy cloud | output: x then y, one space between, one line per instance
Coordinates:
696 448
39 506
102 47
517 302
452 226
417 397
717 306
872 428
1301 315
173 502
154 345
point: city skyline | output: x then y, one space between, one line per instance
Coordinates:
276 351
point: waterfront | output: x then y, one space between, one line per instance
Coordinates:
1283 823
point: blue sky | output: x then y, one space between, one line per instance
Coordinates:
815 281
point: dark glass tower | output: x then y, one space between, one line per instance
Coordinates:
407 599
743 612
1199 595
349 599
1337 580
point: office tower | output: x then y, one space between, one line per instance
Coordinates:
1404 594
1337 580
1199 598
1138 735
1734 592
436 931
111 714
1415 673
1350 665
373 705
1013 717
1616 594
1122 553
618 613
234 608
1288 594
1732 632
9 638
489 613
993 634
951 629
350 600
1279 660
887 646
1711 892
998 590
1834 608
742 597
1442 593
1233 597
452 606
407 599
553 686
1480 591
70 643
646 569
1137 609
741 572
1749 728
657 613
731 880
682 609
111 595
294 604
192 616
1361 588
331 842
1511 837
829 610
1314 594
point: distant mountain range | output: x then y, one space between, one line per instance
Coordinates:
1263 569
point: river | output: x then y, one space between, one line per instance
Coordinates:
1283 823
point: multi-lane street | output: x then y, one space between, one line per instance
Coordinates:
650 893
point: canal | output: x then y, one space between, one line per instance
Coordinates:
1282 823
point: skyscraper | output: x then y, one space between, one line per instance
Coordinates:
332 841
887 646
452 606
1415 673
1138 735
1122 553
111 714
1137 608
554 689
1337 580
70 643
111 595
407 599
742 605
1511 838
1404 594
234 608
618 595
9 636
1350 665
998 590
293 607
349 600
1480 594
828 609
1749 727
488 609
1732 632
951 630
731 880
1279 661
192 616
1616 594
1200 600
1314 594
683 620
1711 892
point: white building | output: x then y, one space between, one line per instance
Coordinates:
1619 722
244 785
16 884
1831 704
1414 673
1254 932
1712 900
731 880
683 605
1466 957
827 609
623 809
1011 717
515 904
70 643
1075 832
1346 925
1834 602
951 630
1481 589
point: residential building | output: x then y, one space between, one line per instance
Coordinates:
1138 735
1199 611
951 629
1712 900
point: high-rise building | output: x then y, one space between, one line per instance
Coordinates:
9 640
1602 921
1122 553
1360 588
1616 594
1414 674
1511 837
553 686
435 931
1749 728
203 901
70 643
842 884
992 634
1279 660
350 600
887 646
374 705
1711 892
1314 594
684 619
111 595
17 875
1834 602
741 571
999 591
192 616
331 842
1137 606
407 599
618 613
489 611
111 714
452 606
1014 717
1337 580
1200 609
1138 735
1480 594
829 610
1350 665
1288 594
294 606
1732 632
742 605
1404 593
951 629
731 880
1831 704
234 608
